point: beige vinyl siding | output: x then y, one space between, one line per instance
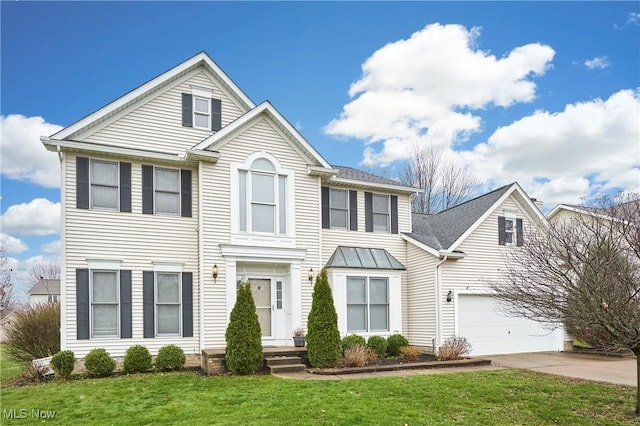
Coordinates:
137 241
217 210
421 303
484 256
157 125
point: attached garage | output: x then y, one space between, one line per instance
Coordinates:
490 332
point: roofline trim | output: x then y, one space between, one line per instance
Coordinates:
361 183
420 245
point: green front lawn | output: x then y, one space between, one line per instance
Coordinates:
8 367
491 397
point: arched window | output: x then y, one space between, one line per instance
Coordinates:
262 198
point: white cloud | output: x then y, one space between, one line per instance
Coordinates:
20 272
12 244
54 247
633 18
588 148
38 217
23 155
423 89
599 62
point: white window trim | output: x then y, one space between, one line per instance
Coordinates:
338 280
91 331
388 213
367 304
155 182
347 224
202 93
262 238
111 209
514 230
156 303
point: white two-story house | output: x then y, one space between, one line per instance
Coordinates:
183 187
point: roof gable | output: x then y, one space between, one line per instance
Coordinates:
133 98
265 109
447 229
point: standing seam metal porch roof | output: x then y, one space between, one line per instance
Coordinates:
363 258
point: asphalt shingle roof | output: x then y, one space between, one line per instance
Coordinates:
350 173
439 231
46 287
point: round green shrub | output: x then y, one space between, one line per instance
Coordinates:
323 337
99 363
170 357
352 340
378 344
63 363
395 343
137 359
244 338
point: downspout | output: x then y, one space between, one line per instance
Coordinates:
443 258
201 263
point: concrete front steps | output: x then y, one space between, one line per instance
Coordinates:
284 364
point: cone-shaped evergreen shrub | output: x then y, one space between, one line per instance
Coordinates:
323 337
244 344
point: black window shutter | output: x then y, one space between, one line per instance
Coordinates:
353 210
125 187
326 220
148 303
187 304
216 114
519 234
185 193
125 304
501 231
394 214
82 303
82 183
368 211
147 189
187 110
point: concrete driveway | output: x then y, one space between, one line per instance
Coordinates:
619 371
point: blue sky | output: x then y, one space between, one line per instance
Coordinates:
542 93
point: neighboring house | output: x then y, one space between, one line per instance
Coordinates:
451 254
44 291
183 187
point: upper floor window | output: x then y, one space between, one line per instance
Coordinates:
510 231
339 207
381 213
201 112
262 198
104 184
167 191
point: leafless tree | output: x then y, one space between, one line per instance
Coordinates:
444 183
582 272
8 301
45 270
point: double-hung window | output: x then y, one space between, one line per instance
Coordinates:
104 303
168 303
262 199
381 212
367 304
167 191
510 230
202 112
339 208
103 177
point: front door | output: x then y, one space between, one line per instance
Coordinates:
261 289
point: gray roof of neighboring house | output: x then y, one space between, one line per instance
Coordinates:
439 231
46 287
350 173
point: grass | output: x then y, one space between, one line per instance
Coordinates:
490 397
8 367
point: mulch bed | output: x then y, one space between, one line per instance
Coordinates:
392 364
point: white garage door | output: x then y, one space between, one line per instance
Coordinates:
490 332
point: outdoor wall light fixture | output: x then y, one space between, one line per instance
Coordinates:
450 296
214 273
310 274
